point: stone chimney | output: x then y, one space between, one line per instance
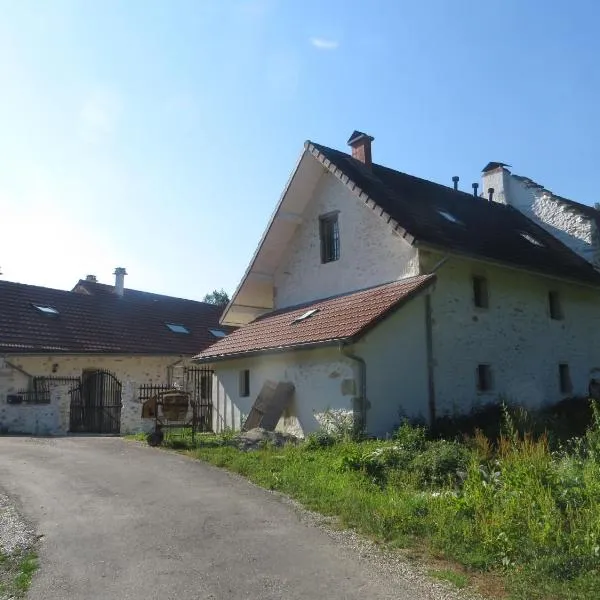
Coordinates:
361 147
91 278
120 273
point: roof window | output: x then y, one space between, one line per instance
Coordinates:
47 310
306 315
531 239
177 328
218 333
449 217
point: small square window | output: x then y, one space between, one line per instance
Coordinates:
329 233
177 328
481 297
245 383
555 306
484 378
564 375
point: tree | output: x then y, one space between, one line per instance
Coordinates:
218 297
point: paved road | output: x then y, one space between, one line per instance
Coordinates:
122 521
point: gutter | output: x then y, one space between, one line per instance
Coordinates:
362 398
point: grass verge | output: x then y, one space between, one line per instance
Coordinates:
16 571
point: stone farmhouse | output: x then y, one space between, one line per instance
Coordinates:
381 295
74 361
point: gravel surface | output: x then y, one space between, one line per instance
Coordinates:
15 534
124 521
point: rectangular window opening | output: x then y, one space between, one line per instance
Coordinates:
218 333
46 310
566 386
484 378
245 383
555 306
480 292
329 233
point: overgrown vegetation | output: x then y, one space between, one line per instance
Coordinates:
16 571
524 503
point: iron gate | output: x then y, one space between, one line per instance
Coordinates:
198 382
96 403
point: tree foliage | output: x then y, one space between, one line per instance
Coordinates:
218 297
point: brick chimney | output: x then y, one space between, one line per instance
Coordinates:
361 147
119 274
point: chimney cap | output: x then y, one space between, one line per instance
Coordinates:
491 166
91 278
120 271
358 136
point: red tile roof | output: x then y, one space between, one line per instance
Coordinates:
341 318
97 321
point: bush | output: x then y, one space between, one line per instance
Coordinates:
442 462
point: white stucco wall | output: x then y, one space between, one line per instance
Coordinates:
515 335
323 379
370 252
53 418
396 356
560 219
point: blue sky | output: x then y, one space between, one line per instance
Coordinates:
158 135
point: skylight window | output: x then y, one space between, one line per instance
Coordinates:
218 333
531 239
450 217
306 315
177 328
47 310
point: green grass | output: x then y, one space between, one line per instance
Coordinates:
16 572
459 580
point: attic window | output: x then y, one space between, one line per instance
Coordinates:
218 333
177 328
450 217
531 239
306 315
47 310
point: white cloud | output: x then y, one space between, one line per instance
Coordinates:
324 43
99 115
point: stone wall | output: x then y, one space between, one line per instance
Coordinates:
370 252
515 336
53 418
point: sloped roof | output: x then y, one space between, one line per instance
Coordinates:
436 215
338 319
102 322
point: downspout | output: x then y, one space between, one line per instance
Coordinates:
430 364
362 398
429 344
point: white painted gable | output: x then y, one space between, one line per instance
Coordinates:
286 268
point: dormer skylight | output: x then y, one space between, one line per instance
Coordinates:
46 310
218 333
450 217
531 239
177 328
306 315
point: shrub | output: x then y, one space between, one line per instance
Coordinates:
442 462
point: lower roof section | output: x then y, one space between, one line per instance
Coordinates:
343 318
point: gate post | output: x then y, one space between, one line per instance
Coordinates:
131 409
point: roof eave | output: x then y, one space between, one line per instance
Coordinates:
274 350
506 265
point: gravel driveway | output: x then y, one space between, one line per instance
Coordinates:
122 521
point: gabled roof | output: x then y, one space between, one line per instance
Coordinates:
430 214
102 322
424 213
342 318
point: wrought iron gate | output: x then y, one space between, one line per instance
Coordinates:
96 403
198 382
